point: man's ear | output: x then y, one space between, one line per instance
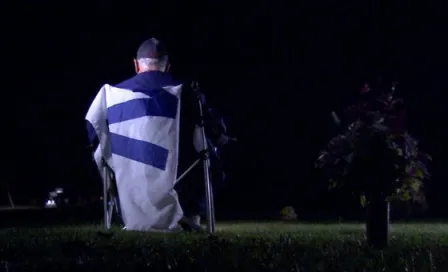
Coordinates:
136 66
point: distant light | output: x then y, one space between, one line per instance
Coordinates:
50 203
59 190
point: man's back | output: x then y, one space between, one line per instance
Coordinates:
150 80
153 81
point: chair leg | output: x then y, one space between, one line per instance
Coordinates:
210 209
110 213
106 197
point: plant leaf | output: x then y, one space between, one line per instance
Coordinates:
405 196
332 184
419 173
363 200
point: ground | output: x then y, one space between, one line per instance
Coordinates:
237 245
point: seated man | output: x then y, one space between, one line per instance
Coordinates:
137 124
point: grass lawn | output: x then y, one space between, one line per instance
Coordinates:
248 246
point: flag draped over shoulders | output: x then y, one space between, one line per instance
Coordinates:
136 126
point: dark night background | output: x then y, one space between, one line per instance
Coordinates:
275 71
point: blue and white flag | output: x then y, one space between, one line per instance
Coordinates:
137 125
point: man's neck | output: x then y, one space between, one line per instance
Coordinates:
149 69
152 70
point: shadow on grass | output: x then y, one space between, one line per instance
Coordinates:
41 217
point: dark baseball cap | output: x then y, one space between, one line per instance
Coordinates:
151 48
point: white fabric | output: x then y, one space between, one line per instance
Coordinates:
147 198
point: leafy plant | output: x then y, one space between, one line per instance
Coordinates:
376 139
288 213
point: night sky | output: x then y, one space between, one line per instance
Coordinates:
275 71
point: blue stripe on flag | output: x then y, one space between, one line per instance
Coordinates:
91 133
141 151
163 104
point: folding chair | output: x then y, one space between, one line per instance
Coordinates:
110 192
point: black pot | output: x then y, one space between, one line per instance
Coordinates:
377 221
